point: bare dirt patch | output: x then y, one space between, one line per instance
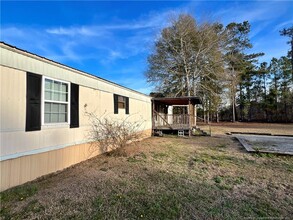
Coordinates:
162 178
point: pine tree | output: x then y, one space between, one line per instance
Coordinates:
289 33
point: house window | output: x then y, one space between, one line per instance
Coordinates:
56 101
121 102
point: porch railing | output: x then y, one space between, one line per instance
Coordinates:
180 121
171 120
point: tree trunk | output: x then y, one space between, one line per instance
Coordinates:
182 92
233 109
292 57
208 116
204 112
217 115
241 102
187 85
265 102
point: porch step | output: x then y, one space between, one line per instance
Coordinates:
196 131
158 133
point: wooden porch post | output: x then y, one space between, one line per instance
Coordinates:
193 118
190 112
195 115
170 114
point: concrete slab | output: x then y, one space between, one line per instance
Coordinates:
266 144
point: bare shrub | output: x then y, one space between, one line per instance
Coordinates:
111 135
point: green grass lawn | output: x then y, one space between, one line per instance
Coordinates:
162 178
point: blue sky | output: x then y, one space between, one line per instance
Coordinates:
112 39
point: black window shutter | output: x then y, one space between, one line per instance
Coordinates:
33 102
115 104
74 106
127 105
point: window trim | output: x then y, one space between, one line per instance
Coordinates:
116 104
61 102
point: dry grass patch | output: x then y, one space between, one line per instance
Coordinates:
271 128
162 178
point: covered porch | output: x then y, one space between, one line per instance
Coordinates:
174 114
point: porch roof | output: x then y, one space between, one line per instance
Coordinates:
178 100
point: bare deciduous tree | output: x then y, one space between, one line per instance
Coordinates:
188 59
184 54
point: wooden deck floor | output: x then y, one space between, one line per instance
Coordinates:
174 127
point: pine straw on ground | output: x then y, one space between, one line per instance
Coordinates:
162 178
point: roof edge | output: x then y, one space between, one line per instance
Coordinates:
11 47
179 98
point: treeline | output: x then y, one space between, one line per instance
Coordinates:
209 60
264 93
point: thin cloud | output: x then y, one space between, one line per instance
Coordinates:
9 32
107 38
254 12
114 45
258 28
283 25
73 31
152 20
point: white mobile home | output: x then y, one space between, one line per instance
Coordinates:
43 127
